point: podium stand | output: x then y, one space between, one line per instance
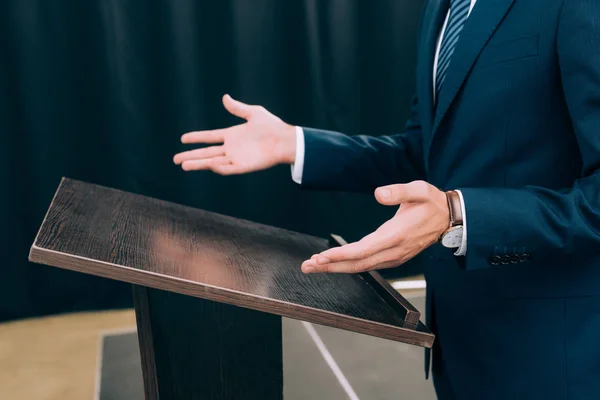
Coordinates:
210 290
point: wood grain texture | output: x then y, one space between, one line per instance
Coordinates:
193 348
141 303
410 314
146 241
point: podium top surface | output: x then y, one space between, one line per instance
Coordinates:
154 243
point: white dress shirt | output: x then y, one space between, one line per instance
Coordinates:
298 166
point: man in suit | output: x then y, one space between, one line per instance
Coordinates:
497 176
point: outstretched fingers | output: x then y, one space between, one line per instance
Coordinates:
209 137
205 164
199 154
219 165
237 108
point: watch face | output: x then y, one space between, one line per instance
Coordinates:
453 238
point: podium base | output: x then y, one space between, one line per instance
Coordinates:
193 348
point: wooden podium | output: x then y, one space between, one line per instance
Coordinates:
210 290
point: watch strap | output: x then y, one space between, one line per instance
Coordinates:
455 208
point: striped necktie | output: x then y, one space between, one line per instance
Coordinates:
459 11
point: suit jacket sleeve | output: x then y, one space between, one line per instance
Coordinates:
546 224
334 161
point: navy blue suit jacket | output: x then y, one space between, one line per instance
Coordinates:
517 129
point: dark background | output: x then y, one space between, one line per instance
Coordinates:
101 91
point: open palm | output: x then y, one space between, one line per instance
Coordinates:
263 141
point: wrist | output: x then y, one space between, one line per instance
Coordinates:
445 213
286 148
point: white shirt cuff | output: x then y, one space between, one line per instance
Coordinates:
462 249
298 165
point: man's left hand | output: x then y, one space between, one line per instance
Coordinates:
422 217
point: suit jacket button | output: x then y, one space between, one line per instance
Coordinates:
525 257
505 260
495 260
515 259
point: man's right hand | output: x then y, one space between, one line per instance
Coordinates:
263 141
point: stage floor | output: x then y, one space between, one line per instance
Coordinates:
95 356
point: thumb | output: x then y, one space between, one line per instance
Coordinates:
413 192
237 108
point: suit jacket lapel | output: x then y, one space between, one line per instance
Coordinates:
432 21
483 21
